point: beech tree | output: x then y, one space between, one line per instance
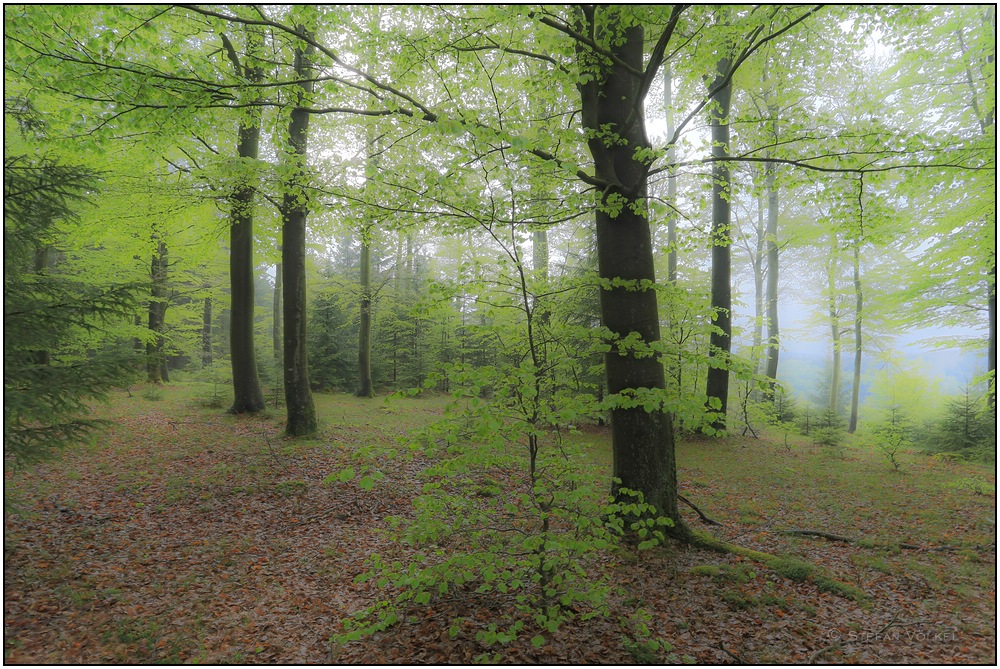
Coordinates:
248 397
299 404
717 383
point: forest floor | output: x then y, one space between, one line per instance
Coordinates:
185 535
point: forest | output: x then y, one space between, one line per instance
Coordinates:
478 334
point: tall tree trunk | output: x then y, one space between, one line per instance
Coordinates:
642 441
300 410
277 336
773 338
365 388
247 395
831 280
155 361
668 81
757 262
206 333
771 234
991 395
858 306
365 326
720 340
986 124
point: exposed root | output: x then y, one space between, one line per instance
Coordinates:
904 546
704 518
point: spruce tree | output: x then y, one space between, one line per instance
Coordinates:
46 382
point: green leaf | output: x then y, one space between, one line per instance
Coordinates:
346 474
538 641
366 482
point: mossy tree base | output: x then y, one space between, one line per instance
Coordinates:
790 567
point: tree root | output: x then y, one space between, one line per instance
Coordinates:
704 518
904 546
793 568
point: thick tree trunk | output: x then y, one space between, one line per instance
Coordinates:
156 371
858 306
720 341
206 333
248 397
642 441
301 412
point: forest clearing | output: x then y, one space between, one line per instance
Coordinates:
183 535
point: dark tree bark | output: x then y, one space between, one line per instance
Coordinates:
301 412
247 395
720 341
156 367
642 441
206 334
